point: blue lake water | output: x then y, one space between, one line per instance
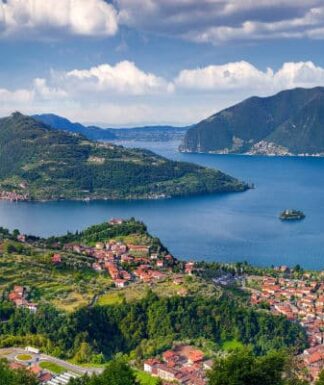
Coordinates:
227 227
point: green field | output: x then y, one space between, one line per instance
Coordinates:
67 289
165 288
232 345
52 367
145 379
24 357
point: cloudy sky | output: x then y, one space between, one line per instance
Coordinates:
133 62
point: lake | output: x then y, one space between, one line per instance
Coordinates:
226 227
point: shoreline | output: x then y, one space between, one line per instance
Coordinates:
318 155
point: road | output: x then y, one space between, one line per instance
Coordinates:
11 353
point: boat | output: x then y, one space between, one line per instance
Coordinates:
292 215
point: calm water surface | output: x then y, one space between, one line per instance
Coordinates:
229 227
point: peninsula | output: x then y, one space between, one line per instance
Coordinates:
40 163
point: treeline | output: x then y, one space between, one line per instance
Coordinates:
149 326
106 231
102 232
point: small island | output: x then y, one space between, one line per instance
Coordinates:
292 215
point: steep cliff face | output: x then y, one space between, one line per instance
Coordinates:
290 122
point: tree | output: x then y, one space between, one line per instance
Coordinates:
320 380
118 372
242 367
84 353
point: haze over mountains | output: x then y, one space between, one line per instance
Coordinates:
288 123
145 133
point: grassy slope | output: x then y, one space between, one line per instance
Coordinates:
75 284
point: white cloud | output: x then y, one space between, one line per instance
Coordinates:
50 17
8 97
124 94
42 90
244 76
123 78
214 21
308 25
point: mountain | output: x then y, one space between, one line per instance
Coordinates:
146 133
288 123
39 163
60 123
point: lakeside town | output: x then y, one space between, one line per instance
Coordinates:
299 300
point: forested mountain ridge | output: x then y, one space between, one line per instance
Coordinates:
288 123
39 163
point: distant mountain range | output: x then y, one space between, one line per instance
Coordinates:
40 163
146 133
288 123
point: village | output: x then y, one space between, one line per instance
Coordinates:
300 301
14 196
124 263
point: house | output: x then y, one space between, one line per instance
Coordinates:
32 307
184 364
56 259
45 377
116 221
21 238
96 267
100 245
208 365
166 373
195 356
160 263
150 364
120 283
138 249
189 266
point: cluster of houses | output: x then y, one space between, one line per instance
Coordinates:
43 376
302 301
184 364
18 296
12 196
123 262
313 360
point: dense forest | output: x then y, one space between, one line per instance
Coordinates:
146 327
40 163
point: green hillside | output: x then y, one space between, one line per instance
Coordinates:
290 122
38 163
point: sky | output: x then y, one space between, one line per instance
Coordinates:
124 63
